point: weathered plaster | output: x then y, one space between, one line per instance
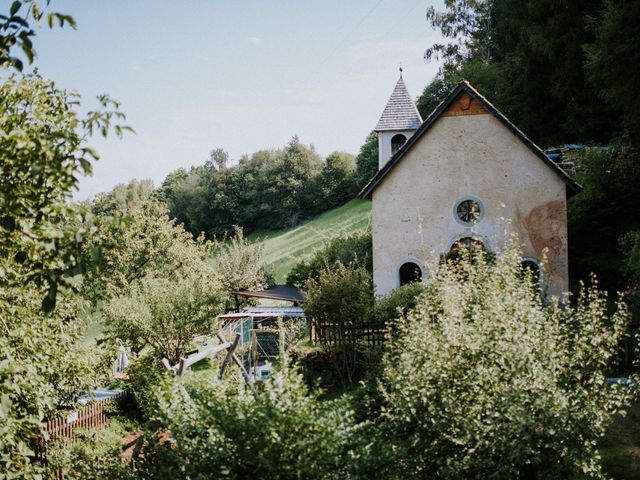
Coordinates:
459 156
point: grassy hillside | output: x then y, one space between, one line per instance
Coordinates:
285 248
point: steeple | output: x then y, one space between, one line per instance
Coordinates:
399 120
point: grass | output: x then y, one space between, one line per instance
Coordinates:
620 449
285 248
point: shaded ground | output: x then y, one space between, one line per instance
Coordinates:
620 449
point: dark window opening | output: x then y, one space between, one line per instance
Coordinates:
533 269
468 243
410 272
396 142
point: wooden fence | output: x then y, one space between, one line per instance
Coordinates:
337 334
65 429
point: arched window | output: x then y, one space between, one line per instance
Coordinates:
468 243
531 267
469 248
410 272
396 142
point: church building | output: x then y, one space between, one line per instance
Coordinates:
465 176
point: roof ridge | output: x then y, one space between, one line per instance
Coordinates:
464 85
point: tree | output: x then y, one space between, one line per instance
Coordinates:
518 53
367 160
434 93
16 30
240 265
614 49
336 180
599 215
145 242
217 433
525 396
339 303
349 250
164 314
43 151
218 159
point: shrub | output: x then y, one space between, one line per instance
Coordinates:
399 302
339 304
146 381
486 380
349 250
276 428
95 454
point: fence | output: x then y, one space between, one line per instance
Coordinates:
65 429
337 334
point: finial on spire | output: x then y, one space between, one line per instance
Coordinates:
400 69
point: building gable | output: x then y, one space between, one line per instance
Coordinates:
465 100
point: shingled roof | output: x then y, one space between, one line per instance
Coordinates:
400 113
464 86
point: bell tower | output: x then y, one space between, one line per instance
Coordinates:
399 121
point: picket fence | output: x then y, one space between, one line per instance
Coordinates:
65 429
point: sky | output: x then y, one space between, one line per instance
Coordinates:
243 75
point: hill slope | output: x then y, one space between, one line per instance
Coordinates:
285 248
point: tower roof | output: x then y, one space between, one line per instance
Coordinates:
464 88
400 113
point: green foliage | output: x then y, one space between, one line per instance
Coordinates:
43 151
286 248
16 30
165 314
337 180
397 303
599 215
240 265
95 452
367 160
339 304
144 242
434 93
342 295
275 428
353 249
486 380
630 245
147 379
617 33
518 53
41 363
271 189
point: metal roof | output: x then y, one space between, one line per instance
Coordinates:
267 312
277 292
400 113
572 186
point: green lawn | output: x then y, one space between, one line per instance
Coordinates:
285 248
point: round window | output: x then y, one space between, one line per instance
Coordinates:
468 211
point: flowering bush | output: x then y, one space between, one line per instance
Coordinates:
486 379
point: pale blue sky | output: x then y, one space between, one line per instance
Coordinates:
242 75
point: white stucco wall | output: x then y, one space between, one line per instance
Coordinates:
384 144
413 207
